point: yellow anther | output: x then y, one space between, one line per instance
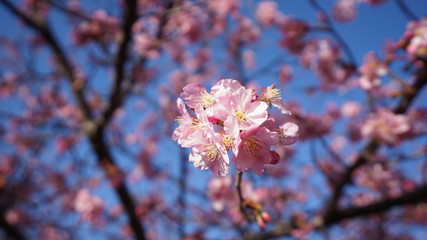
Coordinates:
211 152
206 99
241 115
251 146
269 93
179 120
227 140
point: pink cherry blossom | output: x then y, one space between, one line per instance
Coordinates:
294 31
249 59
344 10
385 126
221 193
88 205
101 28
351 109
197 95
288 133
271 95
266 12
371 71
199 128
374 2
416 38
285 73
185 122
211 153
231 118
254 149
239 106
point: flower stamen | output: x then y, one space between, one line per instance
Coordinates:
251 146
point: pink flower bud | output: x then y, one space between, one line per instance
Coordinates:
260 222
213 120
266 217
275 158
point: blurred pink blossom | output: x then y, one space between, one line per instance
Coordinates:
266 13
88 205
386 126
351 109
371 71
344 10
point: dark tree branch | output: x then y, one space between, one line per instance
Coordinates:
183 190
130 16
106 160
333 215
280 230
406 11
370 148
95 133
409 93
242 202
316 162
43 29
67 10
368 151
11 230
120 89
419 195
335 155
238 185
105 157
123 85
335 33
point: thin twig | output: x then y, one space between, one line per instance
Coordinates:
129 18
373 145
69 11
318 165
11 230
334 154
43 29
414 197
419 195
405 10
335 33
94 133
182 193
242 205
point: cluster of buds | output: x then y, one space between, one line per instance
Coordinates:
261 216
231 118
415 38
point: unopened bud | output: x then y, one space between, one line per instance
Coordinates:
213 120
275 158
260 222
266 217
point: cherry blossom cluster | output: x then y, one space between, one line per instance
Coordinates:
346 10
90 206
415 38
102 28
232 118
223 196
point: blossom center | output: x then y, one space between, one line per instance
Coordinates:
273 93
241 115
197 124
179 120
211 152
251 146
227 140
270 94
207 99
